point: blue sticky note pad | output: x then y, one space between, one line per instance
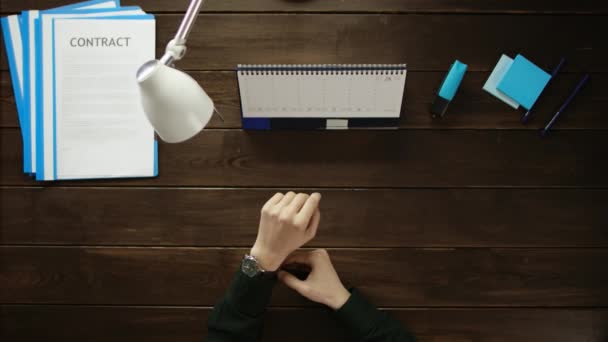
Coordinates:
504 64
524 82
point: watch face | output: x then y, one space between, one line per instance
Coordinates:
250 267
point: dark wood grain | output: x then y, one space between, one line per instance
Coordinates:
383 218
428 43
3 60
390 277
472 108
416 6
152 324
364 159
470 228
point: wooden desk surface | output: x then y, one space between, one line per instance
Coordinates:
468 229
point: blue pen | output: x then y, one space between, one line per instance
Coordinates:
578 88
553 74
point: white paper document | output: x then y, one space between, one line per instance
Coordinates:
29 32
93 123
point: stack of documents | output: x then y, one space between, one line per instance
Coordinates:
73 72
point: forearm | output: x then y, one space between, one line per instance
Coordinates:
368 324
238 317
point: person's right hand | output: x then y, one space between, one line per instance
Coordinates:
322 285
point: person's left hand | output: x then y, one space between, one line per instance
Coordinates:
287 223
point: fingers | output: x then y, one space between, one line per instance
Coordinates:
272 201
292 282
308 210
285 201
297 203
311 258
299 258
319 254
311 230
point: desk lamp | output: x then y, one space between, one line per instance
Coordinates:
175 104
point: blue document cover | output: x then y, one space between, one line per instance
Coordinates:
18 36
73 127
11 31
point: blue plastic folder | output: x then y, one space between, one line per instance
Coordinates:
524 82
11 31
44 107
46 166
16 30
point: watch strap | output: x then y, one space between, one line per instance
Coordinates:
259 272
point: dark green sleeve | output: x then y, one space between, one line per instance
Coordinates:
368 324
238 317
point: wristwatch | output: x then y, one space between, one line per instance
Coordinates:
251 267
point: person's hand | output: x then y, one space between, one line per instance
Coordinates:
322 284
287 223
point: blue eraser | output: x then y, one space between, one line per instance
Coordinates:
524 82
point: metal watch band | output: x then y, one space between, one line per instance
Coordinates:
250 266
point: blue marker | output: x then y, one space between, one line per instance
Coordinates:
448 89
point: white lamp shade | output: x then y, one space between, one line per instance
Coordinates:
175 104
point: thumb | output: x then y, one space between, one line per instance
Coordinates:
291 281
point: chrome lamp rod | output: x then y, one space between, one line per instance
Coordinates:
176 49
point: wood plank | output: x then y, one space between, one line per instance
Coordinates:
415 6
8 107
425 42
214 218
472 108
363 159
150 324
390 277
3 60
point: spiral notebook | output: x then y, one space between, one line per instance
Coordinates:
321 96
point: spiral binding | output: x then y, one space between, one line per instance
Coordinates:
321 69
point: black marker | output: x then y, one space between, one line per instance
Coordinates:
553 74
578 88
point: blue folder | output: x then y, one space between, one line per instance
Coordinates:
21 85
17 86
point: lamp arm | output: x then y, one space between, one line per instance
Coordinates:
176 49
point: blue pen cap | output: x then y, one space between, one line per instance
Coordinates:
448 88
452 80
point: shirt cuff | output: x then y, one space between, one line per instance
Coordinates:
355 314
251 295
